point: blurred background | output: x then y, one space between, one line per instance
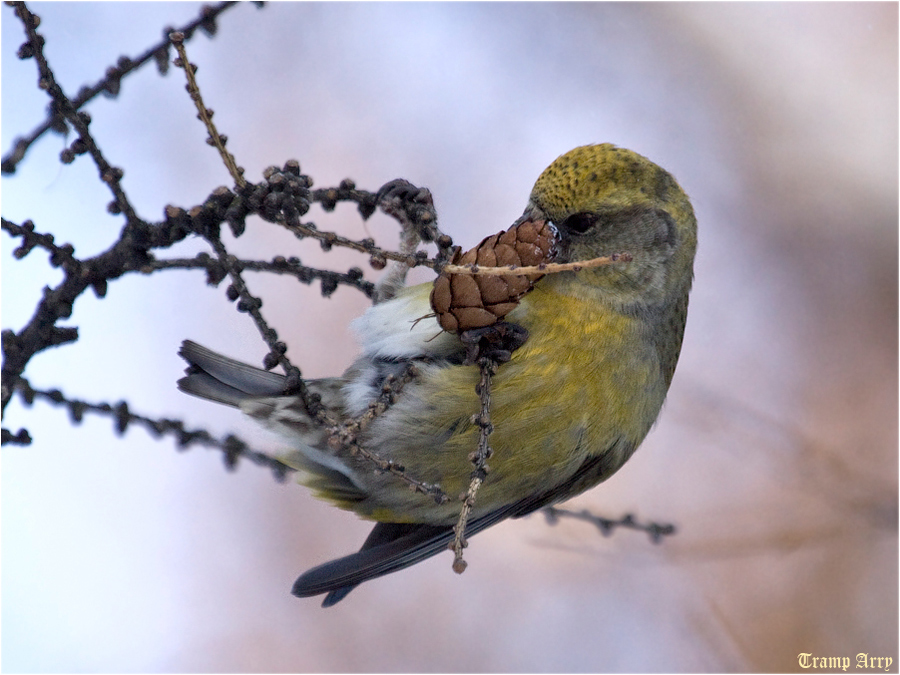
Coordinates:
776 454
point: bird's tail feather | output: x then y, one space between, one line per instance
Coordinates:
258 393
388 548
218 378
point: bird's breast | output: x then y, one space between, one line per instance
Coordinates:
585 382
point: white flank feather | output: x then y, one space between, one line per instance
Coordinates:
404 328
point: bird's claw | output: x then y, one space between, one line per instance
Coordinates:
496 342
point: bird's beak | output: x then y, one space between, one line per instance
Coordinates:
532 212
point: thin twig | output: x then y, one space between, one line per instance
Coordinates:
205 114
389 466
278 350
543 268
479 460
233 447
330 239
278 265
606 526
345 436
60 255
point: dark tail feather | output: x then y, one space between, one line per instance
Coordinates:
388 548
222 379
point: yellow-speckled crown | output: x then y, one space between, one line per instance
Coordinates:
603 177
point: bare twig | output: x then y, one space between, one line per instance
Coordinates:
233 447
345 435
606 526
389 466
378 256
543 268
278 265
479 460
203 113
246 302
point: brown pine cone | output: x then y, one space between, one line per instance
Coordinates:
464 301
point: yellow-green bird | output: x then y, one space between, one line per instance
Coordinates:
568 409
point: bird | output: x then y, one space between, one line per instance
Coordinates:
568 407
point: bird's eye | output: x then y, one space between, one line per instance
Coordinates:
579 222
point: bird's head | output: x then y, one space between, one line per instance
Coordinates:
603 200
